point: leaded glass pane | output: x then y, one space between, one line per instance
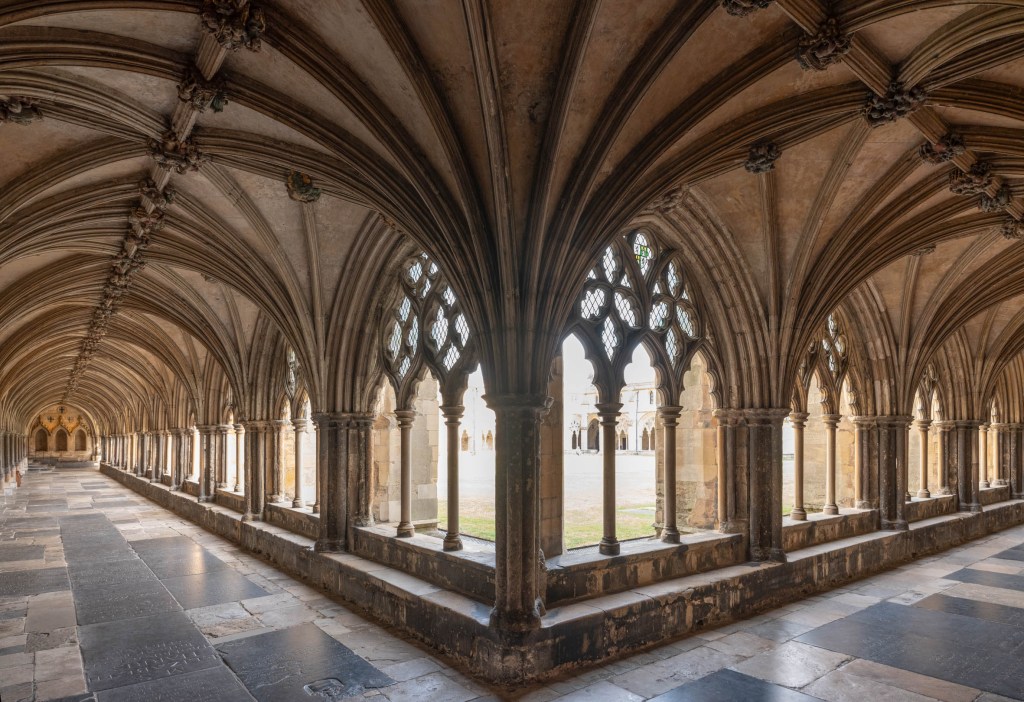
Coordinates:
659 315
404 308
642 251
609 337
439 331
462 327
395 340
685 322
610 265
448 295
593 302
451 357
404 368
413 336
626 312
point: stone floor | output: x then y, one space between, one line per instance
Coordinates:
105 596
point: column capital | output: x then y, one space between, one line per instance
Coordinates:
452 413
943 424
608 411
512 401
405 417
831 420
765 415
894 421
798 419
983 427
967 423
670 414
727 417
238 427
922 424
300 425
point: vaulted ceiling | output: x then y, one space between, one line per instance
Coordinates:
158 247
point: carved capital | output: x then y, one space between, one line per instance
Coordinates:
19 110
200 93
742 8
896 103
762 156
972 182
301 188
998 202
181 155
234 23
945 149
667 202
819 51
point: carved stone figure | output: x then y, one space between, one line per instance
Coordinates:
896 103
182 155
998 202
762 157
668 201
234 23
201 93
925 250
742 8
301 188
944 150
19 110
821 50
973 182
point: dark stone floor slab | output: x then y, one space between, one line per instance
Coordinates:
176 563
25 523
972 652
277 666
1012 554
132 651
106 604
730 686
216 587
89 574
163 544
1011 616
212 685
984 577
34 582
16 552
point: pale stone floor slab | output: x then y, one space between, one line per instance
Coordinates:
972 594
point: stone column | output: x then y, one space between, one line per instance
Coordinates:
799 422
321 468
222 455
831 422
300 428
452 421
361 468
983 455
277 440
1015 439
942 454
518 604
206 467
609 413
138 453
892 453
764 464
254 489
669 421
967 465
334 455
239 485
922 432
732 472
405 419
157 461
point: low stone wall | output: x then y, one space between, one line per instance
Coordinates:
304 523
926 509
588 631
821 528
230 500
991 495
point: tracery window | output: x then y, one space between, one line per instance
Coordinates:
426 326
638 292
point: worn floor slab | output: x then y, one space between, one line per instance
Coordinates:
943 628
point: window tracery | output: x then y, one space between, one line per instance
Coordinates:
637 292
426 326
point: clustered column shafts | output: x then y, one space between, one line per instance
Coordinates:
799 422
669 420
452 421
983 456
609 413
239 458
941 455
405 420
922 426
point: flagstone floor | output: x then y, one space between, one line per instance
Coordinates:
105 596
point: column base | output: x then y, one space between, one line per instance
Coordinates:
763 554
205 498
250 517
895 525
736 526
943 492
863 504
329 546
452 543
974 507
404 531
998 482
298 504
222 486
923 493
316 508
798 514
670 536
831 509
238 487
983 484
908 497
516 621
276 498
609 547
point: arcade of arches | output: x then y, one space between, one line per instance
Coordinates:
409 283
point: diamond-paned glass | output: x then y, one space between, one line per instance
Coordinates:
611 265
593 302
625 309
395 340
404 309
439 331
462 327
609 337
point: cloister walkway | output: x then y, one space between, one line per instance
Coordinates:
105 596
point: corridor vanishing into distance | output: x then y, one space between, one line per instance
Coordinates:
106 596
643 347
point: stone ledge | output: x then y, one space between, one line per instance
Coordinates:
996 493
926 508
585 632
820 528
